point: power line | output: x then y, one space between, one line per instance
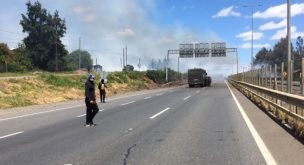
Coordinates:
6 31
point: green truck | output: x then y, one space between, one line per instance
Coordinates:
197 76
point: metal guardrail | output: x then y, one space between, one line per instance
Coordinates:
289 104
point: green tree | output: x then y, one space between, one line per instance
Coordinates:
6 55
263 57
22 62
44 31
73 60
299 53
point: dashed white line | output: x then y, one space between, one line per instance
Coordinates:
128 103
86 114
186 98
81 115
159 94
264 150
147 97
198 91
159 113
13 134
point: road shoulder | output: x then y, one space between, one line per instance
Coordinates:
282 145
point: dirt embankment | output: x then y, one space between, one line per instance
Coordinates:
50 88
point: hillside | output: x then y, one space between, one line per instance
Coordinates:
48 88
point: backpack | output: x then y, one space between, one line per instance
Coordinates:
103 87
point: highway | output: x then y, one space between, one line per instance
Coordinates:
173 126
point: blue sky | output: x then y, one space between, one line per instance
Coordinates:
151 27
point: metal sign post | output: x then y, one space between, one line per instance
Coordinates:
201 50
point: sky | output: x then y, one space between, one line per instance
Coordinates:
150 28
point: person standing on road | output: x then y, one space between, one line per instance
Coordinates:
90 101
102 90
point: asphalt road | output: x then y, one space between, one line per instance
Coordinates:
164 127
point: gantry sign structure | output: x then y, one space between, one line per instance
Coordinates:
201 50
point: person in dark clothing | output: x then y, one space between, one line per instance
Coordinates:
90 101
102 90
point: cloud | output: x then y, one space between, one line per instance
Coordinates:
272 25
247 45
226 12
127 32
282 33
165 40
81 9
247 35
85 12
280 11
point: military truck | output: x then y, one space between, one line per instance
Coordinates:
208 81
197 77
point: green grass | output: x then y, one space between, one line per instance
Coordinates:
75 81
15 74
16 101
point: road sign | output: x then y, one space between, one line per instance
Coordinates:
186 50
201 50
284 74
218 49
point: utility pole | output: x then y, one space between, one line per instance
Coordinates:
289 75
123 58
252 31
167 63
56 50
126 54
79 52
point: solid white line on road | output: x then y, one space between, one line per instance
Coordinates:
128 103
2 137
38 113
186 98
82 115
264 150
147 97
159 113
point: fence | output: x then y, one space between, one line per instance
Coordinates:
267 89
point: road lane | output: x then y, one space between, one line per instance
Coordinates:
206 128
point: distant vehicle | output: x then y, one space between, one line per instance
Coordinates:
208 81
197 76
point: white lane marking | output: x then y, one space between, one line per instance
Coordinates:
147 97
86 114
264 150
186 98
60 109
38 113
159 113
198 91
128 103
159 94
82 115
2 137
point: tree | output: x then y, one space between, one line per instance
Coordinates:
73 60
5 55
44 33
22 61
299 53
300 46
263 57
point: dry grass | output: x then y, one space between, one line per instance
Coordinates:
296 125
51 88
